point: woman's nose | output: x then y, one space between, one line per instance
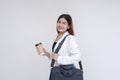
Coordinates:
60 24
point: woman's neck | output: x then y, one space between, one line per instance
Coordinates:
59 36
61 33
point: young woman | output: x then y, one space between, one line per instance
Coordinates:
69 52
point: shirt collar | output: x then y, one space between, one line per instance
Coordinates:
66 33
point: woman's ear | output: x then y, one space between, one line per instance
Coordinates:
68 27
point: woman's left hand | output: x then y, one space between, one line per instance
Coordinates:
54 56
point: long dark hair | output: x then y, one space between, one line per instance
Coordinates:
68 18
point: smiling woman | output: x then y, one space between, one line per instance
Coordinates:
65 52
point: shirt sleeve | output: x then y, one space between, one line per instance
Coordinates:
74 53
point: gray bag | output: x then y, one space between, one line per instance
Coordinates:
67 72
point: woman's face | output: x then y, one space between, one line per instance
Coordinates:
62 25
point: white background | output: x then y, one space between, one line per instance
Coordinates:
23 23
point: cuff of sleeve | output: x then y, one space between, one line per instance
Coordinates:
59 60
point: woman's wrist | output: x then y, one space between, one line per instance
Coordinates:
48 54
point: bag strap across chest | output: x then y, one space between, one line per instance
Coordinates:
57 50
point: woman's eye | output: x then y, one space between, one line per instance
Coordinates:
59 22
64 23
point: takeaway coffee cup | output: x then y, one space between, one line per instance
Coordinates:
39 48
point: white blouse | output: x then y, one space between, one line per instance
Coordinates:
69 52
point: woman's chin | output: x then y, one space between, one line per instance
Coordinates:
62 31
